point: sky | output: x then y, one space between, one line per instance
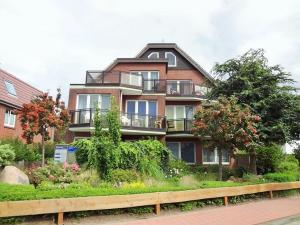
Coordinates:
51 43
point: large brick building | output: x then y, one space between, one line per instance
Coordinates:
13 93
158 93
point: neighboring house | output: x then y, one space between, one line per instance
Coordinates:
158 93
13 93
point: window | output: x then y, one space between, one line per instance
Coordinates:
10 88
171 59
149 79
180 87
141 107
10 118
179 117
183 150
140 113
210 156
153 55
86 101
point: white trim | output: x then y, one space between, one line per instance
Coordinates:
123 131
10 114
169 65
74 86
160 94
152 53
184 98
214 163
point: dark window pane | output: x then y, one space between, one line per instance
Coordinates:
105 102
188 152
131 107
174 147
152 108
142 108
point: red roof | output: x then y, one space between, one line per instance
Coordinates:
24 91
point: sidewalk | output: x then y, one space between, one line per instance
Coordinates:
244 214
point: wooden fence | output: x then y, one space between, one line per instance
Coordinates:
59 206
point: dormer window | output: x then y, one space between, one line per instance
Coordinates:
171 59
10 88
153 55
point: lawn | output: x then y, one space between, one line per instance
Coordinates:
28 192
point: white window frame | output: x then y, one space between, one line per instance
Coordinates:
175 114
88 106
148 75
177 142
13 86
178 84
9 115
136 108
216 159
170 65
136 105
154 53
88 99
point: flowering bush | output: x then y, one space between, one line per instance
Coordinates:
177 169
54 173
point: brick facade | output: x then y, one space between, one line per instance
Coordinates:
186 69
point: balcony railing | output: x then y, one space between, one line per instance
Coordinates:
179 125
115 78
85 117
174 88
185 88
156 86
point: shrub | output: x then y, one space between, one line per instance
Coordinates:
53 172
241 171
83 146
22 151
148 157
177 169
49 149
7 155
287 167
280 177
268 158
119 175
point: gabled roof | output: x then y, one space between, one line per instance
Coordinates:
24 91
135 60
180 51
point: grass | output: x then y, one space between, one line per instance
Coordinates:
28 192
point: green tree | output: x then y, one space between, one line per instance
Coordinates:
104 152
227 125
266 89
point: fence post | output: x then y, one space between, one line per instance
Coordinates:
271 194
60 218
157 208
225 200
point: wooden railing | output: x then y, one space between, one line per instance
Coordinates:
47 206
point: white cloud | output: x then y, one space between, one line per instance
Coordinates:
51 43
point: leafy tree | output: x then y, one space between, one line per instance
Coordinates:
228 126
104 153
41 114
297 152
114 124
266 89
